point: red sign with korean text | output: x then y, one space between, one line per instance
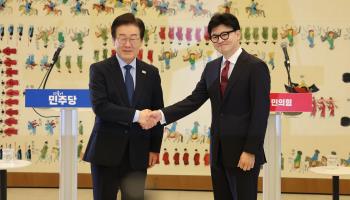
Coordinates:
291 102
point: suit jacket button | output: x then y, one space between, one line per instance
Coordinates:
125 131
222 114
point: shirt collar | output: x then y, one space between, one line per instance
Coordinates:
122 63
233 59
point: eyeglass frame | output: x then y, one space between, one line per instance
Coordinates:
221 36
123 40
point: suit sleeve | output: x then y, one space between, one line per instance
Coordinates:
157 103
101 105
260 102
190 104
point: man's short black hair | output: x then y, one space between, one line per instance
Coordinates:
226 19
126 19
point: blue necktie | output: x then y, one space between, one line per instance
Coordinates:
129 83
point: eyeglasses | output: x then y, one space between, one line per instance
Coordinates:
224 36
132 40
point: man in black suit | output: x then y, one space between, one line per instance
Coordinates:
121 88
238 86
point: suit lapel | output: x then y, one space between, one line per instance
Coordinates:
217 71
236 72
141 74
119 80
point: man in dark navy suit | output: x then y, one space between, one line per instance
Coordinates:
122 88
238 86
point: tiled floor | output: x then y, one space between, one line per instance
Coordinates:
86 194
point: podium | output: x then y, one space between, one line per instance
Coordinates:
68 101
280 102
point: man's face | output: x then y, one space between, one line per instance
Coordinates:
228 46
127 42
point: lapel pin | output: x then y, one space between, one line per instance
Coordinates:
144 72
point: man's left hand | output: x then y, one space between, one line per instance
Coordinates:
153 157
246 161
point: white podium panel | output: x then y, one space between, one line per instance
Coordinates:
272 169
68 154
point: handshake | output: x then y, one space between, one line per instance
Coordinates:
148 118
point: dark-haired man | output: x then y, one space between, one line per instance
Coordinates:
121 88
238 86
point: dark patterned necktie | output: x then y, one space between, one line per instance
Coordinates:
224 77
129 83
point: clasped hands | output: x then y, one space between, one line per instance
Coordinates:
148 118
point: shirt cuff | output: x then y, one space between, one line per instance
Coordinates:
162 121
136 116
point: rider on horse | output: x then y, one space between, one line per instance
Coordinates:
2 3
51 5
78 6
199 7
253 7
103 4
28 5
133 7
227 6
163 6
315 156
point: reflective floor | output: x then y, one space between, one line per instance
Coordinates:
86 194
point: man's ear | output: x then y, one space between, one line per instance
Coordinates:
238 32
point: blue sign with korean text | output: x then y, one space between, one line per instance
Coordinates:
48 98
